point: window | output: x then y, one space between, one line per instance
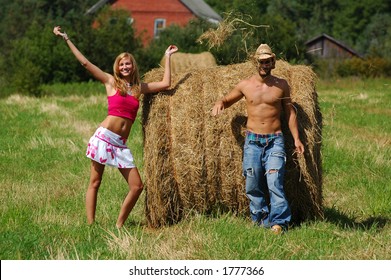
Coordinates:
129 20
160 24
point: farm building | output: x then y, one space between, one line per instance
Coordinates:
151 16
325 46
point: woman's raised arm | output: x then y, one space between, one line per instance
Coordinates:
93 69
166 81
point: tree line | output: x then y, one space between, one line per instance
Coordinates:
32 56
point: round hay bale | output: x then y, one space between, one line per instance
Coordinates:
181 62
193 161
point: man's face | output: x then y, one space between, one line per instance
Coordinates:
265 66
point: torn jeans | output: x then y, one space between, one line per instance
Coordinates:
264 161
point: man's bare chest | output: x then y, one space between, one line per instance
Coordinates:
258 96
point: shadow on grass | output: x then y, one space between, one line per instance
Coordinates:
342 220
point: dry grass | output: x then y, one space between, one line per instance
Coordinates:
178 242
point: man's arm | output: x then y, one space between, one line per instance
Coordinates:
291 117
231 98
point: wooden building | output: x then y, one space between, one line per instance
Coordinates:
325 46
149 17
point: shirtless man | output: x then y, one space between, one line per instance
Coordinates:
264 154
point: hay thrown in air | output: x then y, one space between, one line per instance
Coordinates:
215 37
193 161
189 61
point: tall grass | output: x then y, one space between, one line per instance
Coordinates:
44 175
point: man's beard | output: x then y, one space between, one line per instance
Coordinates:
267 73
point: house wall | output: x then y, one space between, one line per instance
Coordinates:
333 50
145 12
328 49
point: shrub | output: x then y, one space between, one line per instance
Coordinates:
370 67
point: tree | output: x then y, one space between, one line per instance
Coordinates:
47 59
112 35
29 54
378 34
185 38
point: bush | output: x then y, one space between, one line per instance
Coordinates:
370 67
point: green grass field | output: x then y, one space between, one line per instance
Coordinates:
44 175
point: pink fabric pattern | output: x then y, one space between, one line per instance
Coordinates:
109 148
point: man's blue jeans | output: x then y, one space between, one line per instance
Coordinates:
264 160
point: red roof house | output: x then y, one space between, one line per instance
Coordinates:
151 16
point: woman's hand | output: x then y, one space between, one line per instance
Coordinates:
171 49
57 32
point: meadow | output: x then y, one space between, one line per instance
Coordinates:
44 175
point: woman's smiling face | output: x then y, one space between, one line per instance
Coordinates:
125 66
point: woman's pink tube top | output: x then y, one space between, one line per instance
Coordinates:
123 106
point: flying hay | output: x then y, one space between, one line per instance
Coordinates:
216 37
193 161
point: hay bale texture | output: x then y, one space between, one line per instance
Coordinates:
181 62
193 161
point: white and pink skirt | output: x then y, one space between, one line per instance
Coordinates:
109 148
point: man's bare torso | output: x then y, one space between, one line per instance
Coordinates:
264 103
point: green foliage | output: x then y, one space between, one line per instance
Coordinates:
278 36
354 16
29 60
32 56
185 38
29 56
344 20
248 33
236 51
220 6
113 35
47 59
371 67
377 32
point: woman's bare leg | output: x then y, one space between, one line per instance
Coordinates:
133 179
96 175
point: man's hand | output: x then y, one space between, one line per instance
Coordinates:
218 108
299 147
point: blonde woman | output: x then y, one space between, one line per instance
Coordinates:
108 144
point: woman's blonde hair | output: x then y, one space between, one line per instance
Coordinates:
120 82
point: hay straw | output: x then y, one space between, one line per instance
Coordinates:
304 185
216 37
193 162
181 62
161 200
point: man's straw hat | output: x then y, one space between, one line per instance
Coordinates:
264 52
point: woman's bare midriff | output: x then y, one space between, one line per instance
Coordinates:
118 125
